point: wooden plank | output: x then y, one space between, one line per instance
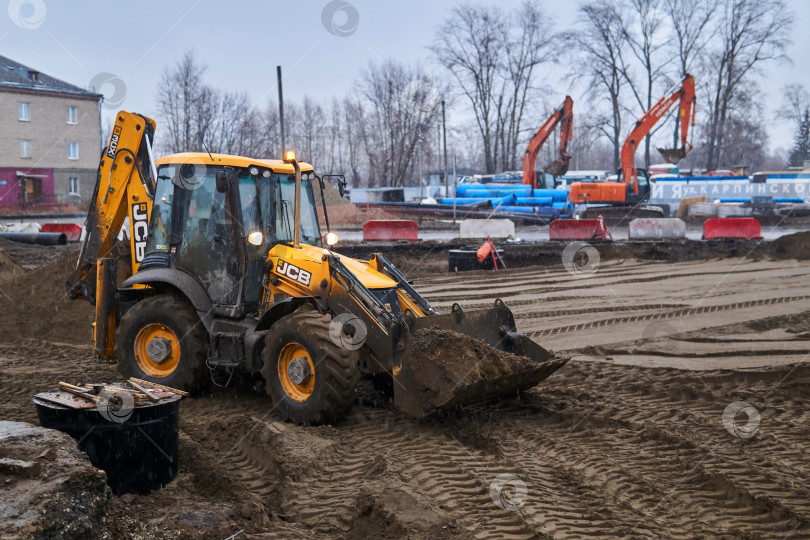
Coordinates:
160 386
149 394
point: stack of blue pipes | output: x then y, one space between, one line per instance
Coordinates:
513 198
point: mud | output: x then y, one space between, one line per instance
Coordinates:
35 304
8 268
446 362
65 496
629 439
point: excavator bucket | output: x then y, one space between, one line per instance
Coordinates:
672 155
557 167
462 358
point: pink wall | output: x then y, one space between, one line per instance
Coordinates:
10 191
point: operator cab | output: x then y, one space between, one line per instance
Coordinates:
216 217
643 187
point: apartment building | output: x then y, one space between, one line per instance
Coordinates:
49 138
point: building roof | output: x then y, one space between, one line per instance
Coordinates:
15 75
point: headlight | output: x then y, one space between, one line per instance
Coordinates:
254 171
256 238
331 239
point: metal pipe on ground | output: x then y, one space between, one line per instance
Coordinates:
45 239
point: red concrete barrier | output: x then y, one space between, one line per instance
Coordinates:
578 229
73 231
390 229
732 228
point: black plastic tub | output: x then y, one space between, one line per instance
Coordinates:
139 454
462 260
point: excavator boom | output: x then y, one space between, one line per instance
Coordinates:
564 116
683 93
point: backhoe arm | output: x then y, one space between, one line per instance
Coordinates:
124 188
685 94
564 116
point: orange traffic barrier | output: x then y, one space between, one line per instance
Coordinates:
390 229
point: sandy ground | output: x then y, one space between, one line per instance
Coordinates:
628 439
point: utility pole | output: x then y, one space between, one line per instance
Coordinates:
421 183
281 110
444 135
455 186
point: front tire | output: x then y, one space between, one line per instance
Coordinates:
310 378
161 339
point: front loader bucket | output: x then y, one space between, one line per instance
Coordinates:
445 361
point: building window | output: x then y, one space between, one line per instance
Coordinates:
25 148
25 111
71 111
73 150
74 185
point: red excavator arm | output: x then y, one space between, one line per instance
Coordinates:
563 116
685 93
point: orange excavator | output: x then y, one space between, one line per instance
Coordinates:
626 197
564 116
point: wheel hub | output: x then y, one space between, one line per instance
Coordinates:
159 350
299 371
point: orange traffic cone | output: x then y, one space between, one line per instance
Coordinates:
601 232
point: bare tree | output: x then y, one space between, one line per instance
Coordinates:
749 33
469 44
795 102
493 56
353 120
527 44
598 44
645 32
183 105
401 106
690 23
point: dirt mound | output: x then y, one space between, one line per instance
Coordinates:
62 497
450 367
30 256
791 246
331 194
45 310
8 268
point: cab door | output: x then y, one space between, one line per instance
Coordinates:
210 234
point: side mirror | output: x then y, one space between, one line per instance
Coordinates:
341 182
223 180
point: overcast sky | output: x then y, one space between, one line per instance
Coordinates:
242 42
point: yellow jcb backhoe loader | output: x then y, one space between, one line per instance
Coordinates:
225 269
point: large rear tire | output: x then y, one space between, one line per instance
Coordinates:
161 339
310 378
